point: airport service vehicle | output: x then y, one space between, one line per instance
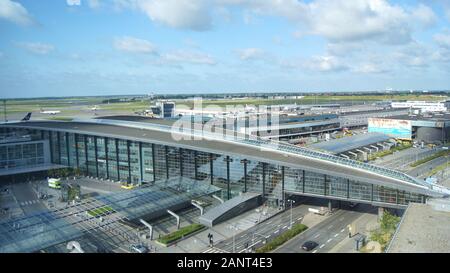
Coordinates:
54 183
128 186
309 245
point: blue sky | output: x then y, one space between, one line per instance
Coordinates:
107 47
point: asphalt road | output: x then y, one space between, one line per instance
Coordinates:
327 233
254 237
402 159
27 198
423 169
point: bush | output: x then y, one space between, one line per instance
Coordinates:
282 238
176 235
383 235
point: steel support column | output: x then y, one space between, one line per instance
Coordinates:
51 145
282 187
58 141
166 150
245 161
67 148
153 162
303 180
86 154
195 165
76 150
211 168
181 161
129 161
96 155
264 166
141 164
116 142
348 188
228 177
106 157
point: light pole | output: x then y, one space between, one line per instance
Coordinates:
234 228
291 201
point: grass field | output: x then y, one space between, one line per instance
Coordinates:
100 211
70 106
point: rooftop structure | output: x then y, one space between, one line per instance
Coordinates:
423 229
337 146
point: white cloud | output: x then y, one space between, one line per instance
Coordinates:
134 45
424 15
185 14
73 2
15 12
250 53
94 4
325 64
414 55
370 68
443 40
37 48
193 57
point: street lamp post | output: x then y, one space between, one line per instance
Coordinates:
291 201
234 228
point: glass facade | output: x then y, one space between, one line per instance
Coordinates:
138 162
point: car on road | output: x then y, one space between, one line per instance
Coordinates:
309 245
139 249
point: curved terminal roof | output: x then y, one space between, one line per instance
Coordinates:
233 143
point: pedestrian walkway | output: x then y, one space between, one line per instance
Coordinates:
214 250
29 202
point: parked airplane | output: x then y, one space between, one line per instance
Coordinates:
50 112
27 117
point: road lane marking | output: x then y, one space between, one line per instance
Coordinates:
330 226
298 219
316 236
322 246
285 227
329 240
342 230
314 251
276 231
336 235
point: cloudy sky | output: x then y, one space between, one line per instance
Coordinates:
102 47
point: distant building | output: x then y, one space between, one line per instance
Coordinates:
424 106
430 128
164 109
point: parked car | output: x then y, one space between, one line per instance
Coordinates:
309 245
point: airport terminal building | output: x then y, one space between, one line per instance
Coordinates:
138 153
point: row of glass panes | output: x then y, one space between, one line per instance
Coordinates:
161 162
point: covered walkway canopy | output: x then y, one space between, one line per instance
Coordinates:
341 145
42 230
